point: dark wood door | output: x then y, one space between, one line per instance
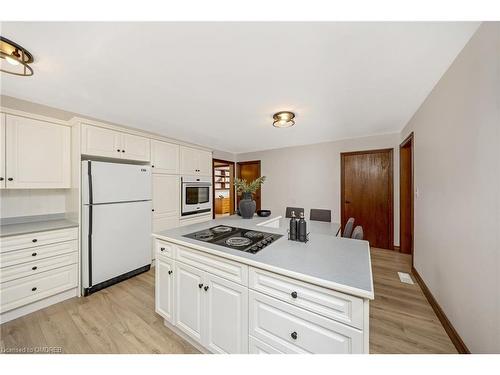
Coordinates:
406 195
249 171
366 194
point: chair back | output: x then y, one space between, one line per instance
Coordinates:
320 215
348 228
298 211
357 233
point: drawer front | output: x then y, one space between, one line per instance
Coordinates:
35 253
165 248
218 266
29 289
334 305
255 346
37 266
37 239
290 329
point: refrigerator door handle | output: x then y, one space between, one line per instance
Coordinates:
90 246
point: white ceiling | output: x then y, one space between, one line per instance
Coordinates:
218 84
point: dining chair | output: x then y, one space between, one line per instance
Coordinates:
298 211
348 228
357 233
317 214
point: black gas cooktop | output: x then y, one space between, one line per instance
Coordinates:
250 241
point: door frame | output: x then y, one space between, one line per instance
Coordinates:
231 193
239 164
391 187
408 140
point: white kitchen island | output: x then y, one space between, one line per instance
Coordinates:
290 297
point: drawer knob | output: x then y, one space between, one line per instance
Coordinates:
162 249
33 254
34 268
206 288
33 289
170 272
34 240
200 286
294 294
294 335
1 178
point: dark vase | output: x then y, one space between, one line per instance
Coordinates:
247 206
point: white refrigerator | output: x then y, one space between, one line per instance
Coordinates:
116 223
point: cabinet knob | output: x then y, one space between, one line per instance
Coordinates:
152 166
33 255
206 288
34 268
1 178
162 249
294 294
123 150
294 335
34 240
170 272
33 289
200 286
118 150
10 179
153 209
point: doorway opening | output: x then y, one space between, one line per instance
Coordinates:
406 195
249 171
367 194
223 191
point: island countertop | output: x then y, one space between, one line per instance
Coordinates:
326 260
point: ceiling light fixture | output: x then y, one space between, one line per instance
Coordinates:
14 58
283 119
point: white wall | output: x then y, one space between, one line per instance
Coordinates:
457 174
309 176
27 202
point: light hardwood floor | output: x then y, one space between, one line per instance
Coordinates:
121 319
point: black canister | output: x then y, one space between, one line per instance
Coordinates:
302 229
293 227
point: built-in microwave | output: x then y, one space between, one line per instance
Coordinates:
196 195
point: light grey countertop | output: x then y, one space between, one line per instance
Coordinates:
337 263
33 224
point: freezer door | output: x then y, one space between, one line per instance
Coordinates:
113 182
119 240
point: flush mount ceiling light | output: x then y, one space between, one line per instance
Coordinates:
14 58
283 119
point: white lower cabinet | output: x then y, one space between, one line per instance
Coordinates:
164 288
226 306
290 329
226 316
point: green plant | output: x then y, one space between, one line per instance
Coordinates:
242 186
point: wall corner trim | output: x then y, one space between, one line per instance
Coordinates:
448 327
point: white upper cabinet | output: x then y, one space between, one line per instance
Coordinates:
109 143
100 142
135 147
37 154
2 151
196 162
164 157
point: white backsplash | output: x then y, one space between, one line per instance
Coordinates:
27 202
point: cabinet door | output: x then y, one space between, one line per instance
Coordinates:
189 300
101 142
166 195
135 147
164 157
37 154
3 178
189 161
164 288
226 316
204 163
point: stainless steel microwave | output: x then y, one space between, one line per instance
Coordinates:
196 194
